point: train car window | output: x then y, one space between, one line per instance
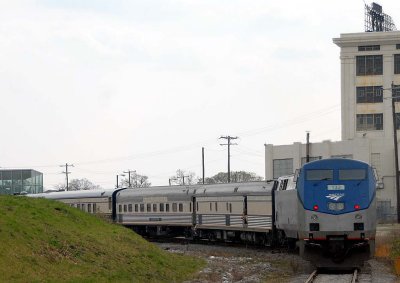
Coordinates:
161 207
174 207
180 207
130 207
190 207
167 207
71 205
230 208
319 175
227 206
120 208
197 206
210 206
125 208
216 206
154 207
109 203
136 207
94 208
352 174
142 207
89 207
148 207
83 207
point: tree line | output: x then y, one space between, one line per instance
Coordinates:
181 177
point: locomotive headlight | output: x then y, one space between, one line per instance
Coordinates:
358 216
314 217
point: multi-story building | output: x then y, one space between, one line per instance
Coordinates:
370 78
20 181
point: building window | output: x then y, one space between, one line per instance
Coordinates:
397 63
366 122
312 158
396 93
397 121
397 46
282 167
369 65
369 94
369 48
376 162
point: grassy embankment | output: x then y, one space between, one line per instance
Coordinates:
47 241
388 247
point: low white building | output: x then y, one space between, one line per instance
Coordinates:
370 66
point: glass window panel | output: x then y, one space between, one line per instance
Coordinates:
352 174
319 175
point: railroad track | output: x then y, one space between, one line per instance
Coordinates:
317 277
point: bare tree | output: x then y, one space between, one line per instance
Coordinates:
137 181
183 177
236 176
77 185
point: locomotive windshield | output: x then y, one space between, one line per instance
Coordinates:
352 174
319 175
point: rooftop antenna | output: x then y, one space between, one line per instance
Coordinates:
376 20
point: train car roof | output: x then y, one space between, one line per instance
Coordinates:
332 162
200 190
74 194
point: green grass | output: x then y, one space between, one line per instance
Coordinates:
47 241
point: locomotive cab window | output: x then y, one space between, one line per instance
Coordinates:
352 174
319 175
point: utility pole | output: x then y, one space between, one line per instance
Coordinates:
229 138
129 176
308 148
66 171
396 157
202 161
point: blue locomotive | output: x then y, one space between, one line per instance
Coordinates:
332 211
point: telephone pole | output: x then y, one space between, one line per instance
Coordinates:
229 138
66 171
129 176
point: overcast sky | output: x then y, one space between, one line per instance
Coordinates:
143 85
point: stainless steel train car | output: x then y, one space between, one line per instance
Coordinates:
92 201
236 211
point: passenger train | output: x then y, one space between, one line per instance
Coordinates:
328 208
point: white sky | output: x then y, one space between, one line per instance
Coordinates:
143 85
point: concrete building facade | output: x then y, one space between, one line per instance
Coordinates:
370 66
